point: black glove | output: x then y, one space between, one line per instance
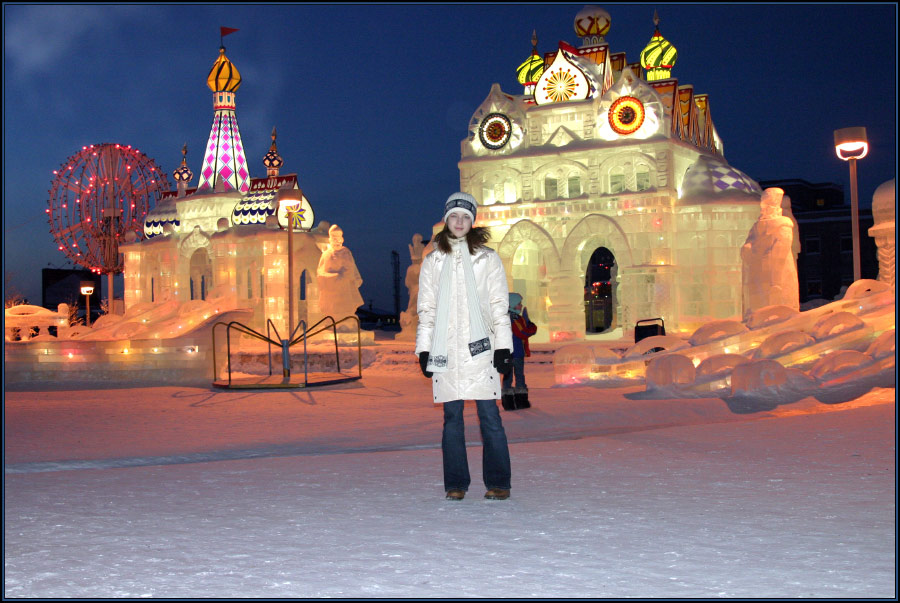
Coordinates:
423 362
502 361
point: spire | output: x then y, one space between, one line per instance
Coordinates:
224 164
273 160
530 71
659 56
183 174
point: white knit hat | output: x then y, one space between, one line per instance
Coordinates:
463 201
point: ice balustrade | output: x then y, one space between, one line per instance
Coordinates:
25 321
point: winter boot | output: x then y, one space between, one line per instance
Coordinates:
521 400
508 399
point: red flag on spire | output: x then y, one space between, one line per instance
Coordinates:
226 30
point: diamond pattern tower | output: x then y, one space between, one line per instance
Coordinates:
224 163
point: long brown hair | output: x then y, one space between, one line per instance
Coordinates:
477 237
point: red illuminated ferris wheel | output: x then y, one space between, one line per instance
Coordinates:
98 195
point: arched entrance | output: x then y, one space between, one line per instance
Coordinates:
599 292
201 274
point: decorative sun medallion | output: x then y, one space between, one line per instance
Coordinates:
561 86
495 130
626 115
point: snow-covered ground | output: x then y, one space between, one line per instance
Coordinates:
336 492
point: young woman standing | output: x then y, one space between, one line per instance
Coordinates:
463 340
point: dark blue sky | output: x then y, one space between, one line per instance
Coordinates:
371 102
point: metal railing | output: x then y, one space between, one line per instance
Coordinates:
286 344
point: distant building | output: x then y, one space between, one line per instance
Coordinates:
371 317
825 262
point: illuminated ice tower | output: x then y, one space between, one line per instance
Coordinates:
224 164
606 189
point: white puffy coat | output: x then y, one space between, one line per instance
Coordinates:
466 378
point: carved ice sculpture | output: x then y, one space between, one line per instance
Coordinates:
409 319
769 274
884 231
338 277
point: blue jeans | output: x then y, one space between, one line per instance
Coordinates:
495 456
518 369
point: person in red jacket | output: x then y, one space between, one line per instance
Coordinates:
522 328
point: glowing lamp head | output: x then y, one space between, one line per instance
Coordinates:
87 288
289 198
851 143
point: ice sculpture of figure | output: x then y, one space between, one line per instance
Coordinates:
409 319
338 278
884 230
769 274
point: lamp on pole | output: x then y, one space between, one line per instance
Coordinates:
87 289
289 199
851 144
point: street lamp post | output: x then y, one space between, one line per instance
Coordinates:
851 144
289 199
87 288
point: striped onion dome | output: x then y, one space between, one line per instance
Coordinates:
530 71
224 76
659 56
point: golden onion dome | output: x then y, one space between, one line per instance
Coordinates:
223 76
530 71
659 56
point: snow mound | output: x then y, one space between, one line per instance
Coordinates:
715 330
770 315
720 365
865 287
667 343
839 363
757 374
883 346
668 370
781 343
832 324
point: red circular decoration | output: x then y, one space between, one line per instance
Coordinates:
626 115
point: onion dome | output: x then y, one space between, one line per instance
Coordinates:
224 76
530 71
273 160
592 24
659 56
183 174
